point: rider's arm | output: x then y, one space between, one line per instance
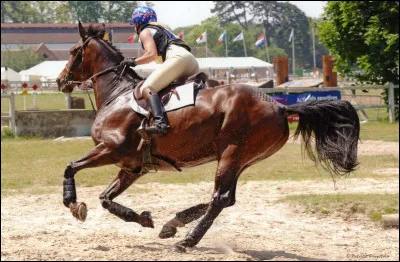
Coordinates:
150 50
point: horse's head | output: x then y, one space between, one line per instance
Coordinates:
84 57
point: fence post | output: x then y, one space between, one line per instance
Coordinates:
68 100
392 116
12 112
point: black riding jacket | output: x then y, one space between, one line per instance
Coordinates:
163 39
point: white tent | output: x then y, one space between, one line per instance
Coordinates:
215 63
235 62
47 70
9 74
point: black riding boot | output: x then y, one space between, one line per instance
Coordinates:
160 122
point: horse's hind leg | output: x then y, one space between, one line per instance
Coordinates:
181 219
189 215
120 184
227 174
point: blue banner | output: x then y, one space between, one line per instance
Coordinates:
290 99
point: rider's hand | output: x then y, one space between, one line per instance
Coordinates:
128 61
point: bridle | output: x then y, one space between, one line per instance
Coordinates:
68 79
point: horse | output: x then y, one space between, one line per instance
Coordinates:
233 124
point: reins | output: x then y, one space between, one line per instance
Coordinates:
90 78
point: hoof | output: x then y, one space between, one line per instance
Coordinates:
180 247
167 232
146 220
79 211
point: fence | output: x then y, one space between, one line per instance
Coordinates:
11 117
44 86
391 105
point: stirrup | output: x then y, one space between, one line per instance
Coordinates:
156 130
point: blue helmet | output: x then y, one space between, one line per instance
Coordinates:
142 15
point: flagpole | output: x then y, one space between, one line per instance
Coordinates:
226 45
266 44
293 53
313 43
206 45
244 45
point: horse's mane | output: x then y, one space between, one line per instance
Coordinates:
98 31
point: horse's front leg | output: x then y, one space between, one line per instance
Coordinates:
99 156
120 184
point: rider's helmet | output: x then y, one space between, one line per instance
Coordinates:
143 15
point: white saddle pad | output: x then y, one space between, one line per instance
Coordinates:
186 95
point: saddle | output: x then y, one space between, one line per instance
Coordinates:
165 94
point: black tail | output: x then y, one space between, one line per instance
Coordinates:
336 128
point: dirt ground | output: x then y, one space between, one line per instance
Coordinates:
39 227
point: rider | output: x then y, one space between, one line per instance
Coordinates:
159 43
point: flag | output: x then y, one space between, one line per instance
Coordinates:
291 35
202 38
260 40
132 39
106 37
180 35
238 37
221 38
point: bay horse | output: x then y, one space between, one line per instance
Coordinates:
235 125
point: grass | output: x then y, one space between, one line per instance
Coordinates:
372 130
35 163
45 101
380 131
347 205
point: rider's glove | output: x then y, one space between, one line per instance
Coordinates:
129 61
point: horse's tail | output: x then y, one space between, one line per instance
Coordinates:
336 129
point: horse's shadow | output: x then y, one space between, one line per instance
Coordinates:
268 255
254 254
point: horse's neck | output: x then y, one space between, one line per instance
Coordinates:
107 85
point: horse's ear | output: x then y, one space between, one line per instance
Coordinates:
102 31
82 30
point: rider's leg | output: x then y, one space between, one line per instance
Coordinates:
179 63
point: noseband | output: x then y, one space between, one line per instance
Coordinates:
68 79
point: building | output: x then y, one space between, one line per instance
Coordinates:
55 40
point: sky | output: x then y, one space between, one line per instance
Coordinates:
185 13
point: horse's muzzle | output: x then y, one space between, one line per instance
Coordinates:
64 85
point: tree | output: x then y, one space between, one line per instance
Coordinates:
118 11
267 13
320 49
67 11
18 12
291 17
276 19
229 11
364 35
86 11
20 60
